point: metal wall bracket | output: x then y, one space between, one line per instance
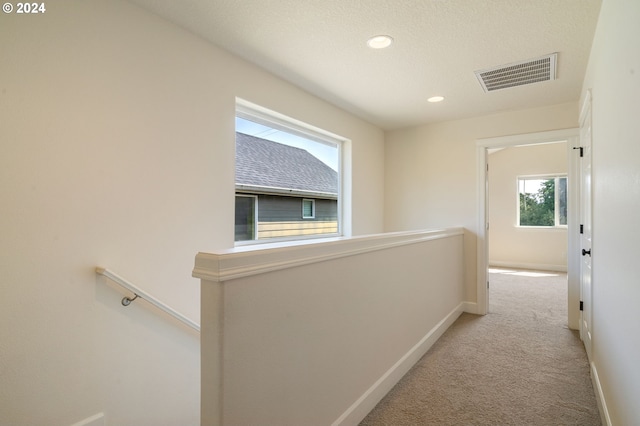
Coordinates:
126 301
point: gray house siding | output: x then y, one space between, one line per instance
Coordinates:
281 216
272 208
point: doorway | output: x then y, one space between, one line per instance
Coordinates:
571 139
527 213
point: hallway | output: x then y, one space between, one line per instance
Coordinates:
520 364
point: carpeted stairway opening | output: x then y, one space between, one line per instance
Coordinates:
518 365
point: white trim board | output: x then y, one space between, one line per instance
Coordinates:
244 261
470 307
602 403
95 420
367 402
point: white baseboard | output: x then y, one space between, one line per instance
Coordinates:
470 307
602 404
533 266
95 420
367 402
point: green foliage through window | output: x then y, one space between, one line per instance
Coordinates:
543 201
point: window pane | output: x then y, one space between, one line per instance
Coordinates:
245 218
308 209
562 201
537 202
543 201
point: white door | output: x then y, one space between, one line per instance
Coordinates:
585 221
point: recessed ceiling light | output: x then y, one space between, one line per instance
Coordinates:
435 99
379 41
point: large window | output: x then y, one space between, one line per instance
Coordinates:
287 178
542 201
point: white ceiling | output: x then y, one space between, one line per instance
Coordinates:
320 45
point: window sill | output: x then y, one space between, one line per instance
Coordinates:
286 240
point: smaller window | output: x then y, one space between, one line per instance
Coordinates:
308 209
542 201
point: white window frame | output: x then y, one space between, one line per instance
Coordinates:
556 211
252 112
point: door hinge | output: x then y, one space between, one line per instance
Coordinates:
581 229
487 284
581 150
581 305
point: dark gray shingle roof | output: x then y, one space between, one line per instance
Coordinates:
260 162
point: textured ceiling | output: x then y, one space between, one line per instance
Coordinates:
320 45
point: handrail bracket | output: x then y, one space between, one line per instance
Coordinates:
126 301
139 293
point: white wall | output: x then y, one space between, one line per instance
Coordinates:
430 171
116 149
509 244
317 334
614 77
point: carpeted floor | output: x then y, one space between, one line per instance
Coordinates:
518 365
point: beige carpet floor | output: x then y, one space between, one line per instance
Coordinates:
518 365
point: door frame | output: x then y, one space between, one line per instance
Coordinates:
572 139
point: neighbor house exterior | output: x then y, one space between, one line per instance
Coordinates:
282 191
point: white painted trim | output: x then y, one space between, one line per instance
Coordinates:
470 307
602 403
482 245
367 402
246 261
95 420
253 112
571 136
586 107
537 138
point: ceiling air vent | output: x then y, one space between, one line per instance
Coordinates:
519 73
